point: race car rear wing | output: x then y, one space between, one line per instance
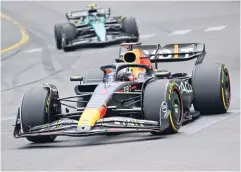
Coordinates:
84 13
76 14
171 52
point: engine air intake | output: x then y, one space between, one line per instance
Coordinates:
129 57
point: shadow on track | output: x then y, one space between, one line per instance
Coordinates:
87 47
106 140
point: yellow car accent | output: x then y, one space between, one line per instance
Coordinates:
74 22
176 51
161 72
172 123
47 104
170 90
75 77
89 117
224 103
122 18
222 76
59 123
92 6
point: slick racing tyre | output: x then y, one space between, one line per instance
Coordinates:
69 33
35 111
58 35
130 27
163 96
211 88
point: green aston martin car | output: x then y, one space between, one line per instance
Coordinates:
94 26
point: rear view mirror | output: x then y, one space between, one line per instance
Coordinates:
108 11
76 78
162 73
119 61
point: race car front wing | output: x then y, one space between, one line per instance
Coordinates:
69 127
82 42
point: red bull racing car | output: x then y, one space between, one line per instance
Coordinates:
132 95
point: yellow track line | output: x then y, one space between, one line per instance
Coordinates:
25 36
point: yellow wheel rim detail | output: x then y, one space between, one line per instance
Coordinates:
172 123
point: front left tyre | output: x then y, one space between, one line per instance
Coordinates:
58 35
36 110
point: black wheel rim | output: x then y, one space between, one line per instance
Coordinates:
175 110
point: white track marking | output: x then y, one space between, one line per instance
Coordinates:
180 32
215 28
234 110
8 118
204 122
147 36
34 50
50 46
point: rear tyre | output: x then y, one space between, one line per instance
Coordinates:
58 35
158 95
69 33
35 111
211 88
130 27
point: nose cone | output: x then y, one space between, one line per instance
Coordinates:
100 30
89 118
91 115
97 106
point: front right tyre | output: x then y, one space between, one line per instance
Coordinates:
69 33
163 96
130 27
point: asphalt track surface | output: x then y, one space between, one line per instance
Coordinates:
210 143
7 41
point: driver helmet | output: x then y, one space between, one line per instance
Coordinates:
126 75
92 8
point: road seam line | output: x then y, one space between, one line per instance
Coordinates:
33 50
